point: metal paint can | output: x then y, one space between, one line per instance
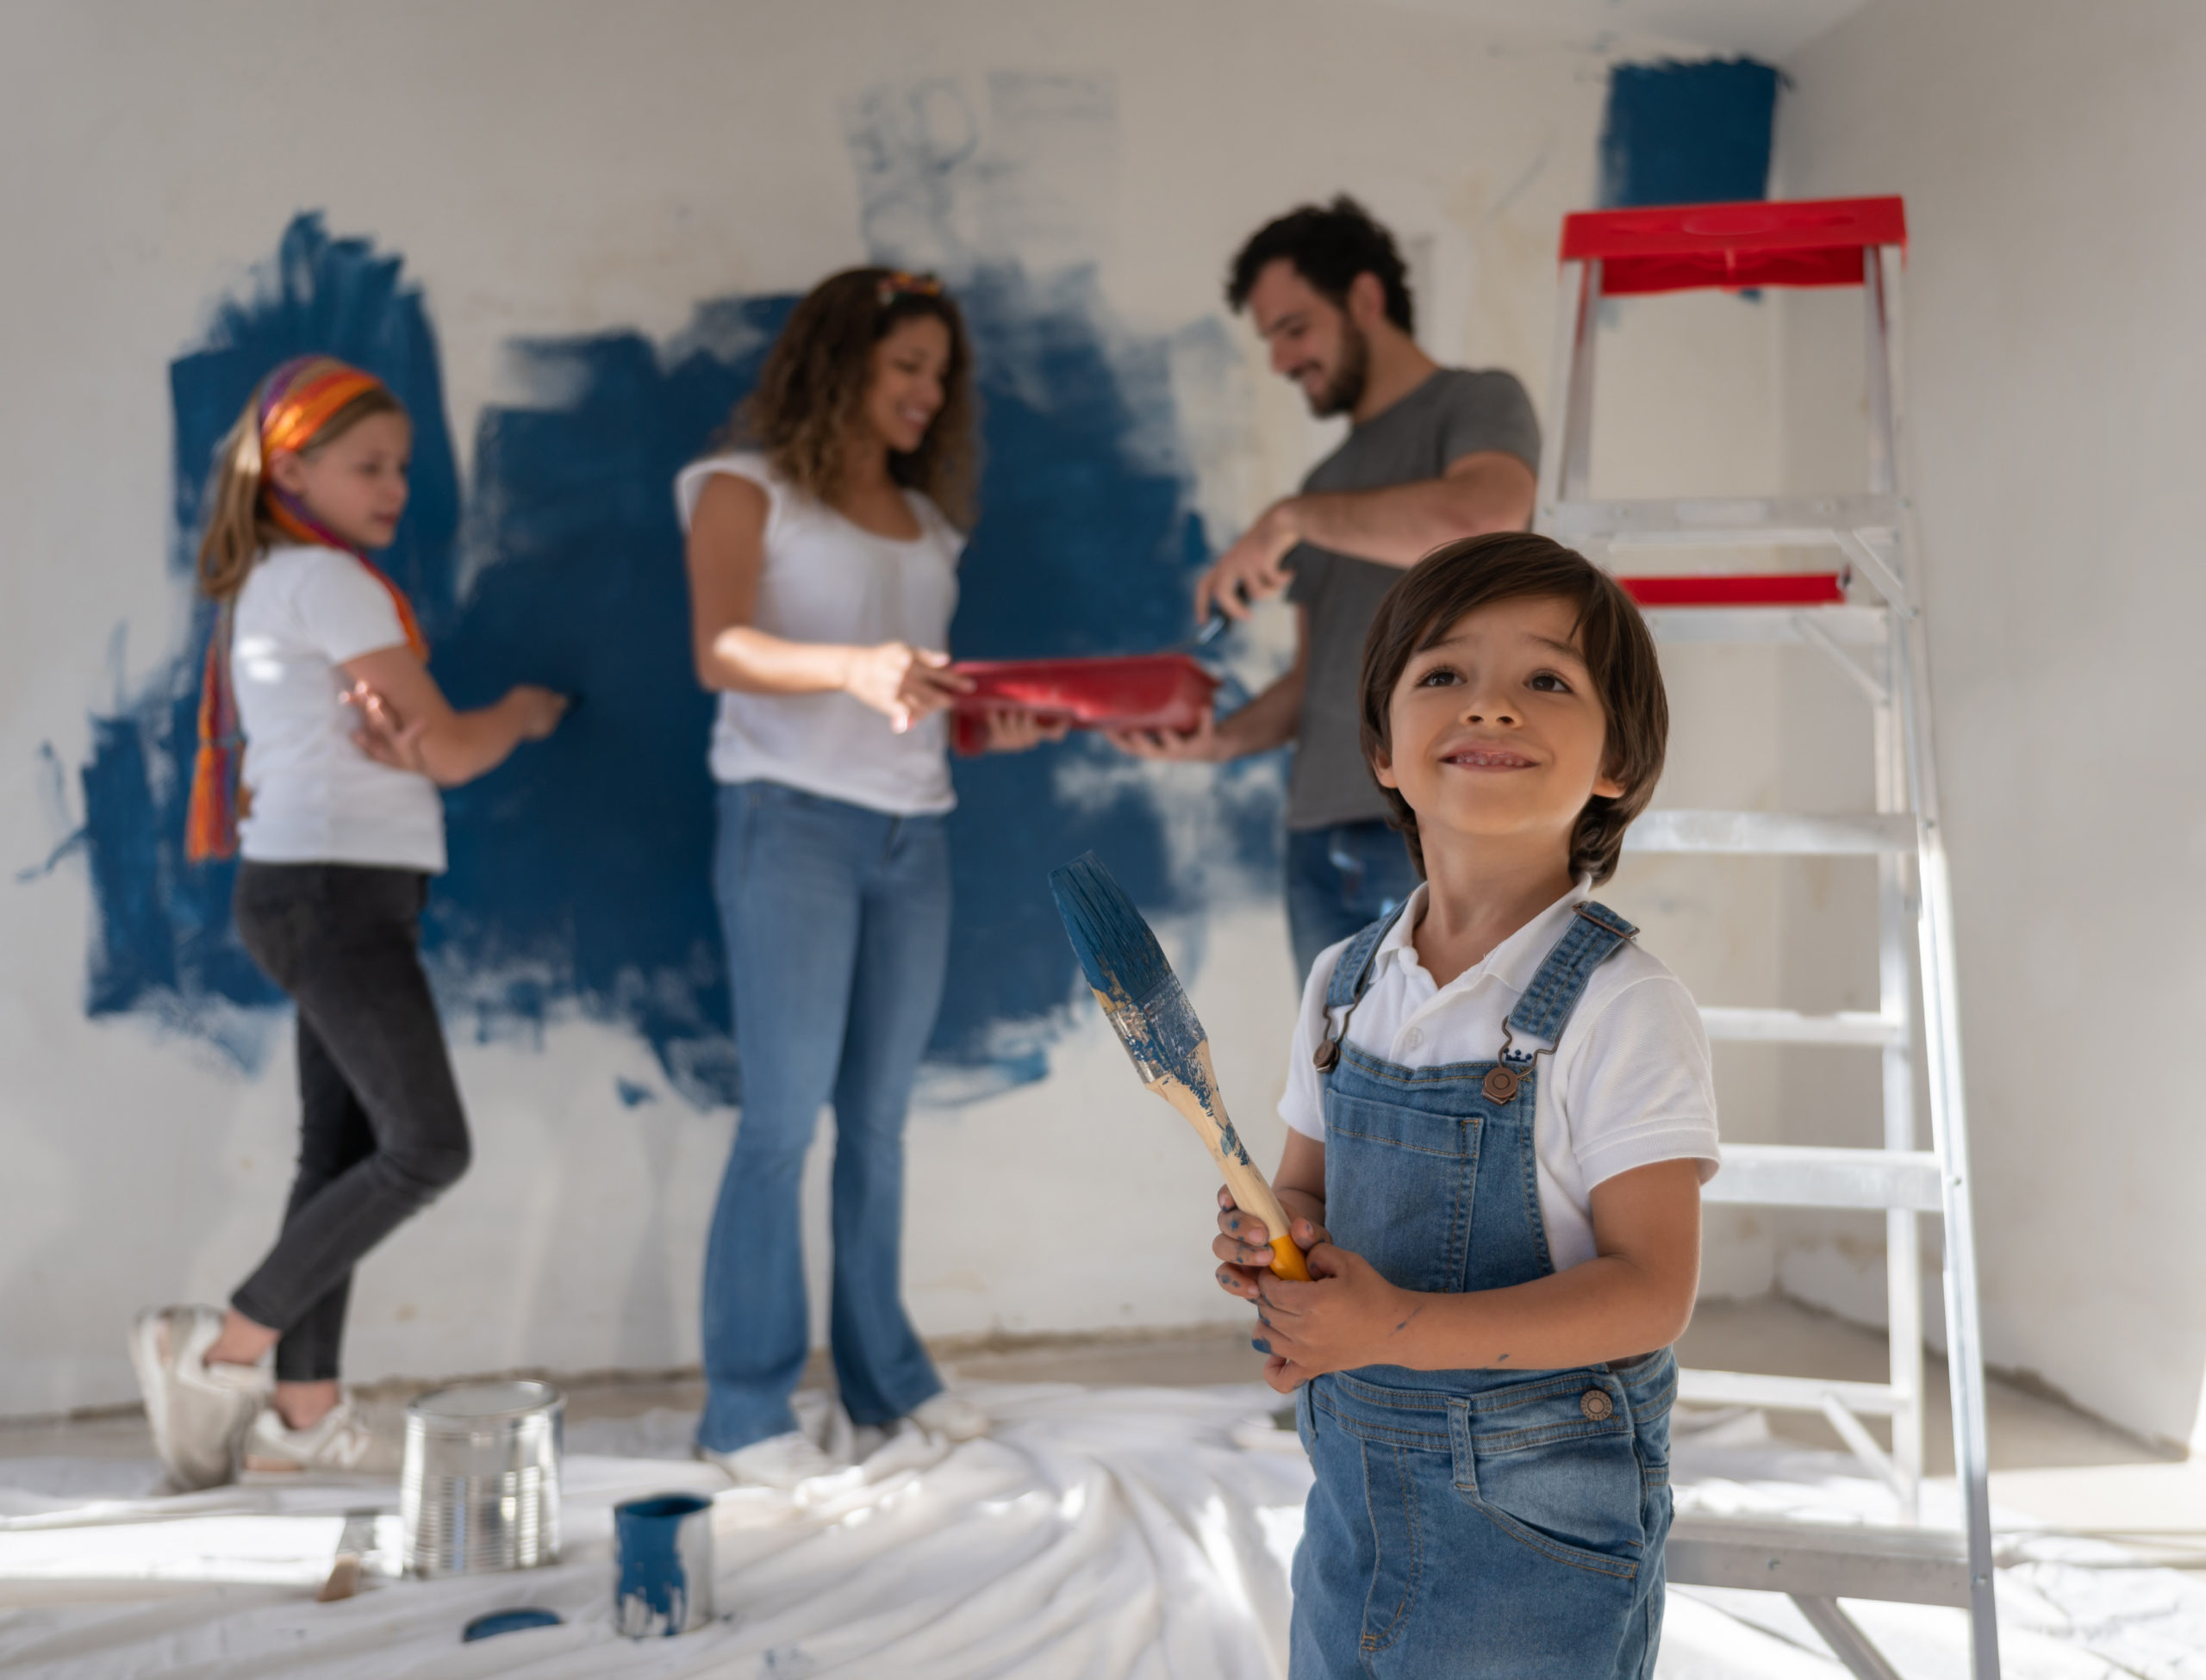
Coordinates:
479 1491
662 1548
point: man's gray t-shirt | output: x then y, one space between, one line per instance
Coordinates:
1456 411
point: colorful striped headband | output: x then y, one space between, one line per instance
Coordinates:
300 395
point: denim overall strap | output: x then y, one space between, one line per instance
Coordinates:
1352 974
1594 933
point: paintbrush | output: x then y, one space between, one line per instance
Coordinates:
1147 1007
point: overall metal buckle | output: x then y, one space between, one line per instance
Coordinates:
1502 1081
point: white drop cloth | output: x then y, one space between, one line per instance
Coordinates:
1099 1533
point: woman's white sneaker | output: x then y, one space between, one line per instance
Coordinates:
199 1412
779 1461
952 1417
339 1439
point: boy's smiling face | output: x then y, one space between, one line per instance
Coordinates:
1496 732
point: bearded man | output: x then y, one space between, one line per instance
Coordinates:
1432 454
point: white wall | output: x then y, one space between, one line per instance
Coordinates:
2048 156
557 167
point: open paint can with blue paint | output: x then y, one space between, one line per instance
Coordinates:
662 1548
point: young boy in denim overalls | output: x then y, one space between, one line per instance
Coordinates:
1500 1114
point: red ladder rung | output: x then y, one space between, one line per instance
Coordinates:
1740 589
1683 247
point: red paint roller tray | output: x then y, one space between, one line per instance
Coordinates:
1131 690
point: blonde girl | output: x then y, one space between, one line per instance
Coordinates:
336 852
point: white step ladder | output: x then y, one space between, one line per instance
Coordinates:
1866 618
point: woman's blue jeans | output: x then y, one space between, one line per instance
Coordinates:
837 926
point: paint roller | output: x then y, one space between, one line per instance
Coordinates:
1147 1007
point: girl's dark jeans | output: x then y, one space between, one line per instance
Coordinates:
380 1129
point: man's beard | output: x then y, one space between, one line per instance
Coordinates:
1345 389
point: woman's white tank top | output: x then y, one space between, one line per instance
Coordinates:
828 579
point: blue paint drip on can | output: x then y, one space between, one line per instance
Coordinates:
663 1546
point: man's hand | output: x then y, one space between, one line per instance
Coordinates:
1200 745
1017 730
1250 570
1346 1317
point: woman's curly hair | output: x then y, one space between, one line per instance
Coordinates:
812 389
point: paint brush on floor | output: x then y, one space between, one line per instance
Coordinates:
1147 1007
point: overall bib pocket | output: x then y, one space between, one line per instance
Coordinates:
1399 1188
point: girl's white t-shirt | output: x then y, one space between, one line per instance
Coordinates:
828 579
1629 1084
315 797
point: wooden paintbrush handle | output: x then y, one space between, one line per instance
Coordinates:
1253 1194
1205 1109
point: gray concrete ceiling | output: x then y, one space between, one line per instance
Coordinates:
1765 30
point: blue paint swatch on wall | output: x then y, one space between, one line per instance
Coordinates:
1688 134
580 869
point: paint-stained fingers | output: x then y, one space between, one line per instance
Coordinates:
1245 1228
1237 1280
1237 1251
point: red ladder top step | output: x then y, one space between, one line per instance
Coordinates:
1682 247
1739 589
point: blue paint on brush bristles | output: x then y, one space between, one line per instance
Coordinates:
1127 967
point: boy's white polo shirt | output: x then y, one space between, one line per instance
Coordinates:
1629 1082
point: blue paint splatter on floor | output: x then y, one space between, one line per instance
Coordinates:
1688 134
580 873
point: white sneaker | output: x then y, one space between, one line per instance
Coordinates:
339 1440
199 1412
952 1417
778 1461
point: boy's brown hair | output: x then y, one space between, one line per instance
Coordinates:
1619 653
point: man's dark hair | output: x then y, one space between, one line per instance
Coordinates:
1619 653
1328 247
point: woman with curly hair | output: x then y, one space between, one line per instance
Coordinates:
823 571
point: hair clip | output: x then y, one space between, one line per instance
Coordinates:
903 284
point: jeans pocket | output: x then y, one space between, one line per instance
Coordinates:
1554 1464
1398 1482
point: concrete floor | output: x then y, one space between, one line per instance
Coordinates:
2049 1460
